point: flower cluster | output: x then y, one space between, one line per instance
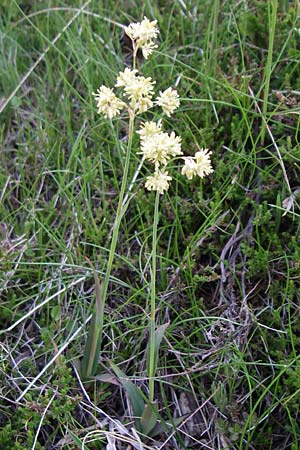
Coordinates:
157 146
199 166
143 35
168 100
158 182
107 102
139 91
137 88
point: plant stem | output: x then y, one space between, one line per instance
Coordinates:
134 54
91 354
152 355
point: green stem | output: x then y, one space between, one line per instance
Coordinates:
135 50
152 356
91 354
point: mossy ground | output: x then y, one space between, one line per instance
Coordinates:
228 253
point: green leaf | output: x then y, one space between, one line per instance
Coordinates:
165 427
77 441
149 417
92 349
107 378
56 313
134 393
159 334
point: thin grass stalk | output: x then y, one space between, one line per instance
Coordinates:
152 350
91 354
272 19
213 36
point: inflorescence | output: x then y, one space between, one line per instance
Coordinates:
157 146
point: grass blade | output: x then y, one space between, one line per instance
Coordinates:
159 334
90 359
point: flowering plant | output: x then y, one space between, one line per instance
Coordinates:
136 95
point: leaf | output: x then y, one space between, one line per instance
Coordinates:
77 441
56 313
159 334
107 378
134 394
149 417
92 349
165 427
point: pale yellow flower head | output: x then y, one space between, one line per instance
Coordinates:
203 162
142 31
199 166
108 103
190 168
147 49
138 87
158 182
143 34
126 78
142 105
160 148
168 100
149 129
